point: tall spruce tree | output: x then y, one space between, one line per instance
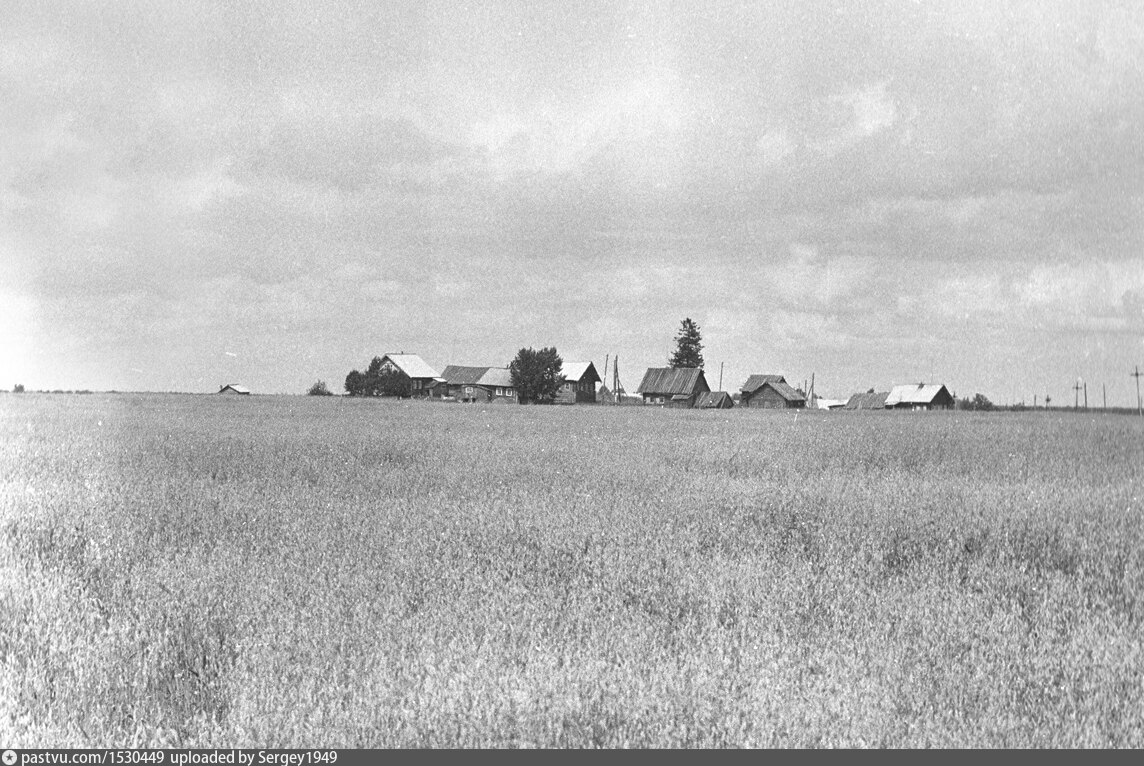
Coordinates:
688 346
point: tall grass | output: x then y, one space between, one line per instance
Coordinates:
289 571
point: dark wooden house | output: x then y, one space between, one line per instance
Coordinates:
479 384
580 379
672 386
423 379
714 400
770 392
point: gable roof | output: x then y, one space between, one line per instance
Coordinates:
870 400
496 376
576 372
412 365
235 388
755 382
456 375
916 393
714 400
671 380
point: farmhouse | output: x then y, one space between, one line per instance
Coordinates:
871 400
423 379
672 386
232 388
714 400
580 379
770 392
919 396
479 384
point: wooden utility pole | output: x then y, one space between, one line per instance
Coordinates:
1086 396
1076 395
1136 374
1034 401
1104 395
720 376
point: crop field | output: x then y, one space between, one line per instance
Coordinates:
186 571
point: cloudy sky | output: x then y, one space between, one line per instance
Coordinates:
194 193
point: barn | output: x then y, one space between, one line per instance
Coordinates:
770 392
580 379
919 396
233 388
871 400
672 386
423 379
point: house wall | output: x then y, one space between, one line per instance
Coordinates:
576 392
769 399
471 392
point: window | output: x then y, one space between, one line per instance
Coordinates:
500 391
468 390
508 392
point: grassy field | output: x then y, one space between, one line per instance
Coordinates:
187 571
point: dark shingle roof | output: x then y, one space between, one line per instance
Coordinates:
457 375
672 380
714 400
867 401
755 382
785 391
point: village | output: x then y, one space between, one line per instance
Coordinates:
670 387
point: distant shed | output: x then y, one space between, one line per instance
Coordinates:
871 400
714 400
233 388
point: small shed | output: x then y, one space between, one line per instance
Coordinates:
871 400
234 388
714 400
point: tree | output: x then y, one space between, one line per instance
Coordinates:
688 346
320 389
536 375
18 388
355 384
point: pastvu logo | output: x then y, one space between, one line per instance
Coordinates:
9 757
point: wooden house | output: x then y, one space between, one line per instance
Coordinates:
919 396
672 386
232 388
580 379
423 379
479 384
770 392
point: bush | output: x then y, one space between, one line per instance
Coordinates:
320 389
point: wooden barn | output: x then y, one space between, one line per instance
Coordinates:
580 379
871 400
714 400
770 392
919 396
233 388
672 386
423 379
479 384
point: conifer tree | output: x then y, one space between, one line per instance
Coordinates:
688 346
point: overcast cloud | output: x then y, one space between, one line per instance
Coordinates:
270 194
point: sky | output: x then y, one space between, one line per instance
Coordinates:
273 193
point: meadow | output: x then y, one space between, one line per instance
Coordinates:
193 571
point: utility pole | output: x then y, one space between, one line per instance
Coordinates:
1136 374
1104 394
1034 401
1086 396
720 376
1076 394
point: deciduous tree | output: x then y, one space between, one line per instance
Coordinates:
536 375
